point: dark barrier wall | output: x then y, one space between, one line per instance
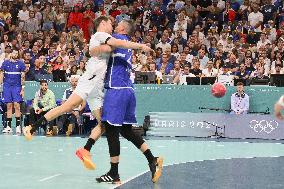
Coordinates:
175 98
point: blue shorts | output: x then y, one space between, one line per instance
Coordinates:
12 94
119 107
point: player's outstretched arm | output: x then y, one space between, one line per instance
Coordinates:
98 50
278 107
113 42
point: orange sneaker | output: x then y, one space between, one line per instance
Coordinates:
27 133
156 168
85 156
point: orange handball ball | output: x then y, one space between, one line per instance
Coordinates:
218 90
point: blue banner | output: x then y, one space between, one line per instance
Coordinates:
204 125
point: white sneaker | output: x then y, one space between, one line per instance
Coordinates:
18 130
7 130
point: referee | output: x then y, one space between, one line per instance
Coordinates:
12 76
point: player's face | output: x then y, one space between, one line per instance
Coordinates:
14 55
119 27
108 26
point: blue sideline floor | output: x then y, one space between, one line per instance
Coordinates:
50 163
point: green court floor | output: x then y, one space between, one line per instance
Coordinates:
50 163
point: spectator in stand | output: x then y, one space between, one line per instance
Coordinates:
210 71
165 66
278 69
260 74
48 18
153 68
75 18
31 25
225 76
88 22
269 11
59 70
202 58
176 71
113 12
184 74
255 18
196 68
123 15
163 44
23 15
81 68
242 73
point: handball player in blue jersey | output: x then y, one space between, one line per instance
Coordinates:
12 76
119 108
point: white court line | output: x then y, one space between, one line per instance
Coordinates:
48 178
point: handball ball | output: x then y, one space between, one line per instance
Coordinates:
218 90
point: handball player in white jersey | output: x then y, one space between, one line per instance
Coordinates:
90 85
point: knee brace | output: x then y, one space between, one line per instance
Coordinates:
128 133
112 134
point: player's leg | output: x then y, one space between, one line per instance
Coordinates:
17 107
155 163
8 100
17 99
112 117
112 134
95 102
72 102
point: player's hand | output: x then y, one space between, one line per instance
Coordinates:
145 48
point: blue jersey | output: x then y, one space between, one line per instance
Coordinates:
12 72
119 67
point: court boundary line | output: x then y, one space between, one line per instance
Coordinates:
50 177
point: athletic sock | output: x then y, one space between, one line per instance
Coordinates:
148 154
38 123
9 122
18 121
89 144
114 169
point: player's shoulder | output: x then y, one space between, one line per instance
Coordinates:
99 34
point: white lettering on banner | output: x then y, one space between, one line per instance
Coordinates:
183 124
263 126
180 124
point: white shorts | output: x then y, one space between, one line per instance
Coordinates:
91 88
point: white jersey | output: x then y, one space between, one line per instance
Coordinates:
97 39
91 83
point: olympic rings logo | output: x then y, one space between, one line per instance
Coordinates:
263 126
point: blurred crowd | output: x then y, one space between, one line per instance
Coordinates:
231 39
